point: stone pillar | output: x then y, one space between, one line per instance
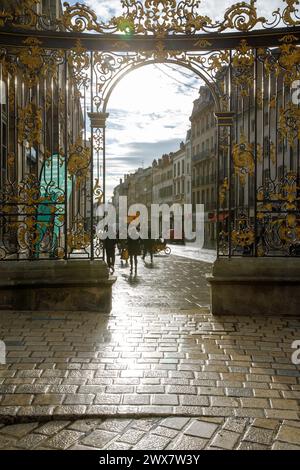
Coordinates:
255 286
56 285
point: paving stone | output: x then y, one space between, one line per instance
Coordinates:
239 392
18 430
152 442
99 438
70 410
81 447
115 425
260 393
34 388
236 424
224 401
255 403
259 435
7 442
295 424
266 423
15 400
63 440
31 441
218 411
282 414
85 425
120 389
188 443
113 445
7 388
211 391
107 399
145 424
226 439
52 427
284 446
289 434
91 389
150 389
249 412
165 399
132 373
181 389
175 423
201 429
166 432
252 446
9 411
103 410
79 399
284 404
132 436
48 399
193 400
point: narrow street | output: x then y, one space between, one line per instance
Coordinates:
159 372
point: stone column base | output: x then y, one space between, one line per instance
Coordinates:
73 285
255 286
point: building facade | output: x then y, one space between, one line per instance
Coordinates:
179 176
204 161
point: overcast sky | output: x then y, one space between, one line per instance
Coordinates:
150 108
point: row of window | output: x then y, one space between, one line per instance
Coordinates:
205 169
203 124
206 197
205 146
179 168
180 186
166 192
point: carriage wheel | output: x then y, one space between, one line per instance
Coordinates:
167 250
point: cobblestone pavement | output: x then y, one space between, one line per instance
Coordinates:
173 433
159 353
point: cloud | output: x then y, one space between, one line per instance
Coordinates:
215 9
152 149
105 9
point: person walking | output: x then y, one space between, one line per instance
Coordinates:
110 251
123 252
134 250
148 247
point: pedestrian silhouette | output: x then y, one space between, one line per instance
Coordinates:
134 250
148 247
110 251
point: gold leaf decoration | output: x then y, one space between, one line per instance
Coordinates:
289 122
30 125
242 16
243 159
243 67
79 161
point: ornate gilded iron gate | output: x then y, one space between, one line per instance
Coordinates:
58 70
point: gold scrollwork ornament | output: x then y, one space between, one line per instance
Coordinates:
289 122
242 16
79 161
30 125
243 159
